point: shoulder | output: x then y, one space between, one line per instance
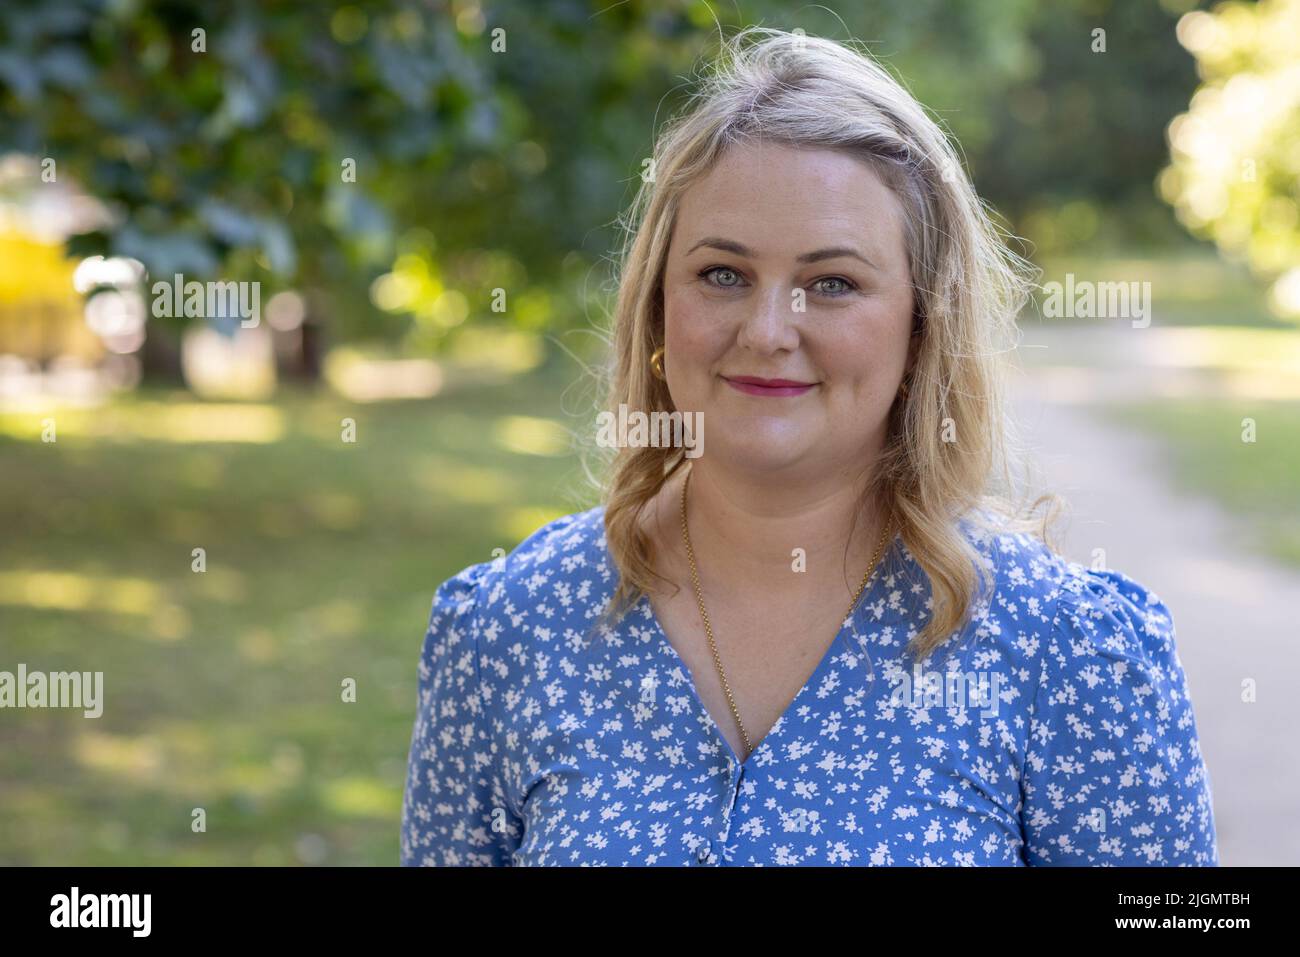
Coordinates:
1051 611
1107 621
558 565
1023 565
1018 562
1019 590
1094 610
1082 630
1112 770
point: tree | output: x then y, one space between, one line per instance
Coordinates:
240 141
403 163
1234 175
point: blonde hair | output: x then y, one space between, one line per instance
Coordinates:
812 92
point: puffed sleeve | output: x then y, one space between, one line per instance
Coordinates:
455 811
1113 771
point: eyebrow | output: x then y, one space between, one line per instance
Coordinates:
740 249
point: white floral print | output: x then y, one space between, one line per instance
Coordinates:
539 740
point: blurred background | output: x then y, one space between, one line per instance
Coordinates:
428 196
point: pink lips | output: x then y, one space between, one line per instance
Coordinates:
753 385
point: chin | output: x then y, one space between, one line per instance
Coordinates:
762 450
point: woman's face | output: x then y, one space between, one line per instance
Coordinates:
788 264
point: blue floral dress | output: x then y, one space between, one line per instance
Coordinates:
1055 728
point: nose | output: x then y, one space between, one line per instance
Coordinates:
769 325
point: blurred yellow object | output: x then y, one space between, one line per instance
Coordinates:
41 313
527 435
217 366
365 378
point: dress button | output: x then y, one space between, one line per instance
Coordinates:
703 854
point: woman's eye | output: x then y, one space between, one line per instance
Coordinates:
722 276
839 286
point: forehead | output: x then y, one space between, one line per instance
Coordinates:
789 200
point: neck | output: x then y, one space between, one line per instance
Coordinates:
745 530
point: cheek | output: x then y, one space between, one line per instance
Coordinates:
694 329
868 352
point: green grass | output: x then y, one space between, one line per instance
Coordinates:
1258 481
1187 289
1231 340
223 689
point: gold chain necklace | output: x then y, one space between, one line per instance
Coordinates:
708 629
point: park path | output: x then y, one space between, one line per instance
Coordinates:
1234 609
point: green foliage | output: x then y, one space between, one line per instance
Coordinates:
218 132
1235 175
496 146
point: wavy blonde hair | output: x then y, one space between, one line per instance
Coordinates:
815 93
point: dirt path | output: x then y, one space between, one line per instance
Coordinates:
1235 611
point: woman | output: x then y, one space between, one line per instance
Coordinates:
672 678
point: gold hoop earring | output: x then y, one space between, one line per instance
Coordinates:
657 363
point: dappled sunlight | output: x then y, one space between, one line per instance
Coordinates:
516 524
1173 279
223 366
1072 365
259 645
526 435
77 591
301 315
1227 347
501 351
189 760
170 622
153 759
161 620
1260 385
1082 384
221 584
464 484
137 759
252 779
338 618
1186 288
335 510
1232 169
364 379
200 422
362 797
185 525
179 423
322 419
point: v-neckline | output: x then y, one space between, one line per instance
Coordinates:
865 599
